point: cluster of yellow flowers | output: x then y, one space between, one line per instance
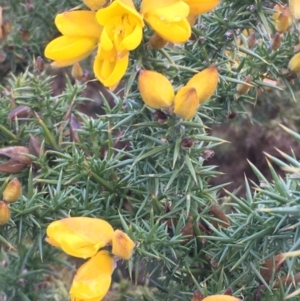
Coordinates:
83 237
157 91
283 20
117 29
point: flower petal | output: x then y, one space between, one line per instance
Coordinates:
80 236
132 40
205 83
70 48
186 103
122 245
78 23
221 298
156 90
198 7
150 5
94 4
109 69
118 8
294 63
175 32
93 278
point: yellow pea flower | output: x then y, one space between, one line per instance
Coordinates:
168 19
295 8
81 33
108 68
94 4
80 236
122 27
122 245
221 298
156 90
294 63
12 191
186 103
198 7
93 278
205 83
282 18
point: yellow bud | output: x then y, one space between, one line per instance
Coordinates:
77 71
186 103
156 90
294 63
243 88
295 8
4 213
205 83
94 4
12 191
282 18
122 245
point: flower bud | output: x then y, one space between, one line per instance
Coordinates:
122 245
294 64
156 90
205 83
282 18
4 213
77 71
276 42
244 88
295 8
186 103
12 191
251 40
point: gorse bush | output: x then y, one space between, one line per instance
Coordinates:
91 161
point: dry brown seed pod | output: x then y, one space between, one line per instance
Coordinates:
12 166
4 213
272 266
19 112
12 191
35 146
219 214
17 153
187 230
287 280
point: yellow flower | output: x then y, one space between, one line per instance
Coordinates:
205 83
156 90
198 7
186 103
168 19
221 298
94 4
93 278
108 68
122 245
81 33
295 8
282 18
294 63
80 236
4 213
12 191
122 27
